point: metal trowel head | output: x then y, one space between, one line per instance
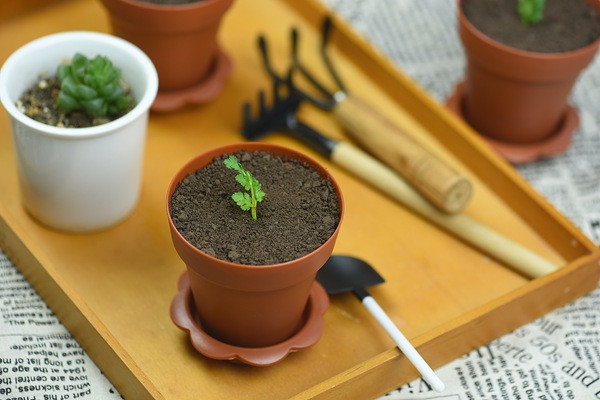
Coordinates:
346 274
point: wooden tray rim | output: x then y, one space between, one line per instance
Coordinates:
582 267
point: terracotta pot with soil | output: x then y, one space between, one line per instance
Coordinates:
180 36
517 85
78 172
251 279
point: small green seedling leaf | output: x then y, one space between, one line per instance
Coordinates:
244 200
531 11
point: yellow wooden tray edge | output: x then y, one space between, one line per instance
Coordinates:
379 374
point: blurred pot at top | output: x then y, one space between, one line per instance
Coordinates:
181 40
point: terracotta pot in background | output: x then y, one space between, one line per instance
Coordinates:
249 305
515 96
181 40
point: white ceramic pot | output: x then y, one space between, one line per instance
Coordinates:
82 179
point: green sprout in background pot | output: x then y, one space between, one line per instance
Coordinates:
531 11
244 200
93 86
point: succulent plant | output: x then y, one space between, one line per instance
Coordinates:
93 86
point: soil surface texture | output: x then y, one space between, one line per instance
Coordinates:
566 24
299 212
39 103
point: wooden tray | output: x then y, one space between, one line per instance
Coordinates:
112 289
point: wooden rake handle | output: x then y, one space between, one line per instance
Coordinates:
471 231
444 187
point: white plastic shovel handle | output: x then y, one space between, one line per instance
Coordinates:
409 351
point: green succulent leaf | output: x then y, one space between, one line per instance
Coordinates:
244 200
95 106
121 103
93 86
78 67
108 90
62 72
67 102
85 92
68 86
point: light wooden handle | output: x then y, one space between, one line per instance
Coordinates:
447 189
480 236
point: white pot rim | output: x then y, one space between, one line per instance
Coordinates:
143 103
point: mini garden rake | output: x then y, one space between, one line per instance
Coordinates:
281 117
442 185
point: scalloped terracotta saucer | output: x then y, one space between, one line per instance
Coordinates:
203 92
518 153
183 314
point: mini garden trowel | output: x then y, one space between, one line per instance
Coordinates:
342 274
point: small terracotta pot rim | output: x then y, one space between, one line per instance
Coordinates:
253 147
172 7
524 53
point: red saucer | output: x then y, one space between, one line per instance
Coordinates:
519 153
183 314
203 92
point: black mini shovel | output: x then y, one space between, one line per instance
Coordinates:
342 274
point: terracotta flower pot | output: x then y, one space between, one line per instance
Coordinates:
516 96
181 40
249 305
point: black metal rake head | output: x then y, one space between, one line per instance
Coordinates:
328 99
279 117
330 96
287 98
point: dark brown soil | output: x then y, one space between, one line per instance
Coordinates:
299 213
39 103
566 24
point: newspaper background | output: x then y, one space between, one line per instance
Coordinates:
555 357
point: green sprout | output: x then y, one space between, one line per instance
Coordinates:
93 86
531 11
244 200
